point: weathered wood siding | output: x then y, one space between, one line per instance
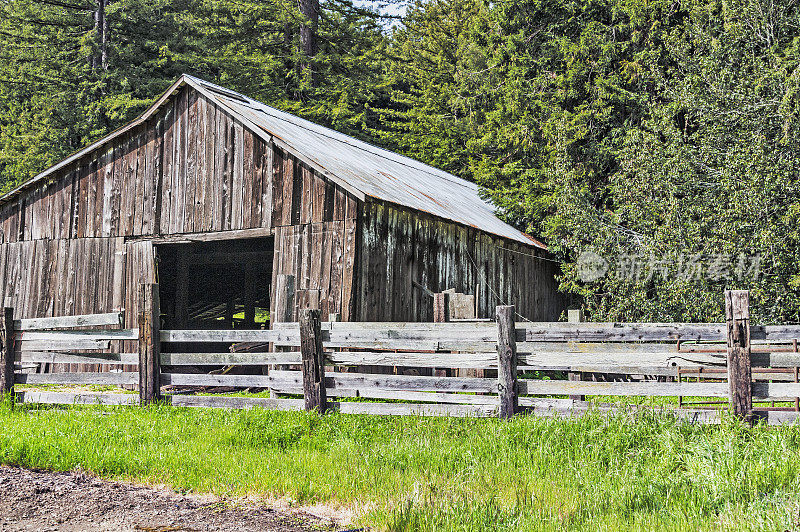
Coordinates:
315 237
399 246
192 168
62 277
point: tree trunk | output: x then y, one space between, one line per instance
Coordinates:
308 37
100 58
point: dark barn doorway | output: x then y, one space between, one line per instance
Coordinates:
216 285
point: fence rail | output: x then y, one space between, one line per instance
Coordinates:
452 368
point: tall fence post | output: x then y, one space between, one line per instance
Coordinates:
737 315
149 344
507 361
575 316
441 314
7 351
441 307
313 361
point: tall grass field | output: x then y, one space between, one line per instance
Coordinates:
598 472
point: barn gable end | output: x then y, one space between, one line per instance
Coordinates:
190 169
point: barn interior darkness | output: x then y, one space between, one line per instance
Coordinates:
215 285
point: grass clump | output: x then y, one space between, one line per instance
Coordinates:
598 472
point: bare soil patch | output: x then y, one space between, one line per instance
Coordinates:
75 501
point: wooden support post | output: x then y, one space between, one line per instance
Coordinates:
313 361
441 314
507 361
441 307
149 344
575 316
7 351
737 315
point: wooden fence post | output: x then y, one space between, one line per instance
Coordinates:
149 344
507 361
441 307
7 351
575 316
313 360
441 314
737 315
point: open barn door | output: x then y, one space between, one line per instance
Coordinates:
216 285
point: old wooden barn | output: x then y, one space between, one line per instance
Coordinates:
212 195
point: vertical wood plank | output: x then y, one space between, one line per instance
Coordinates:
7 351
313 363
267 187
507 361
149 343
284 298
441 307
737 315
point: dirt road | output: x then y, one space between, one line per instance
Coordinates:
45 501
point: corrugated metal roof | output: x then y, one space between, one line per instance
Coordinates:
358 166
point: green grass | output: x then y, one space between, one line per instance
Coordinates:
409 473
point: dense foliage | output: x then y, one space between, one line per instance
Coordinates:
660 136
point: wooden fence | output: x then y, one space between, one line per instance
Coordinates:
449 368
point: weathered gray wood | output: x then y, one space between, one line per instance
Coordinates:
400 409
293 379
575 316
284 299
462 306
77 398
337 358
68 336
285 302
423 397
782 417
412 359
313 361
227 359
149 344
77 344
775 391
506 361
220 336
386 409
659 389
194 379
212 401
107 378
622 332
55 357
7 351
66 322
737 314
